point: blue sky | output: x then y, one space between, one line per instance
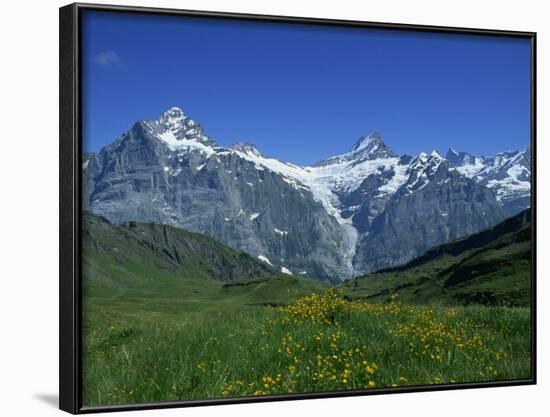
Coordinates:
302 93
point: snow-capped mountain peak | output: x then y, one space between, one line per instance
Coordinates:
181 126
180 132
371 146
371 140
172 118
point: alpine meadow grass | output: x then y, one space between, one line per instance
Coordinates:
146 350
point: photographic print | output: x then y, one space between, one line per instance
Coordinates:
274 208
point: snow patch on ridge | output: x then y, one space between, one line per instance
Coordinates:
399 178
175 144
264 259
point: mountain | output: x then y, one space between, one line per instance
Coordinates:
488 267
365 148
149 175
434 206
325 221
506 173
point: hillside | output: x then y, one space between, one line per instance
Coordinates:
490 267
148 260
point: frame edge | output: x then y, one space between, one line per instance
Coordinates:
105 7
68 137
534 301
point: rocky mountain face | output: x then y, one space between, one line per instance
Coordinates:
353 213
435 205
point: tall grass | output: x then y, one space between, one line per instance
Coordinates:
142 350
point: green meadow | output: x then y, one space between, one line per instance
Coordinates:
142 350
156 331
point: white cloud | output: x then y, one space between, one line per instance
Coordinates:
107 59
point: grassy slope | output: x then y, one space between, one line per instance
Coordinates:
146 260
158 268
490 267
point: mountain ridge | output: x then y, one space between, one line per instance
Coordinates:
313 220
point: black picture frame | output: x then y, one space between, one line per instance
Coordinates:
70 339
